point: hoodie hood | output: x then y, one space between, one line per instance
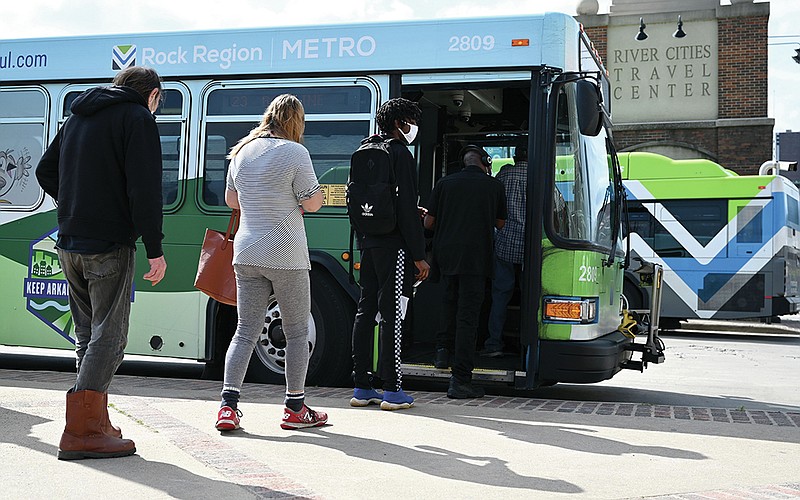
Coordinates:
97 98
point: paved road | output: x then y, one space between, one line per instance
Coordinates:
720 419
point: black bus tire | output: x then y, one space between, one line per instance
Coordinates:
330 328
221 330
633 295
332 362
669 323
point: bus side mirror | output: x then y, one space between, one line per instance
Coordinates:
589 103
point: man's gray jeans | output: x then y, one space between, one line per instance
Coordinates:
100 287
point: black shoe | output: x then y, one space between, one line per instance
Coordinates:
461 390
442 358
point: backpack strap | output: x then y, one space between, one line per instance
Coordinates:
392 175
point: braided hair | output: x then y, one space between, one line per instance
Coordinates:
394 110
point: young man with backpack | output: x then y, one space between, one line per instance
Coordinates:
382 203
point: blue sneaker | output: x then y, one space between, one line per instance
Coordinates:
365 397
396 400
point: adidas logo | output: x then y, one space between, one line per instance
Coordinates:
367 210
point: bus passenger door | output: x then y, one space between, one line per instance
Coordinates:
749 228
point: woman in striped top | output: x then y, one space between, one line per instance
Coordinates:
270 178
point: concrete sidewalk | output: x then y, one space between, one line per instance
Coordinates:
495 447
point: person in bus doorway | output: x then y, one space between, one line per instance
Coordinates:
509 243
388 265
463 211
104 171
271 181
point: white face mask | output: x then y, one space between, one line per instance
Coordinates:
412 133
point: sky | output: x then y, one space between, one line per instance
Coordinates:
45 18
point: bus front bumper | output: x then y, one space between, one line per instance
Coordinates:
583 362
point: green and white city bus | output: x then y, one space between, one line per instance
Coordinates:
728 243
499 82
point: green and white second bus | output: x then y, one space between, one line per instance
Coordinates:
495 82
728 244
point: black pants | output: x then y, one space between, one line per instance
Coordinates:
462 309
385 276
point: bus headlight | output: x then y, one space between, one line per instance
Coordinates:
572 309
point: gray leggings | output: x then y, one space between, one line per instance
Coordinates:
254 285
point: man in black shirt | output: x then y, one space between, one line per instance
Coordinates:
463 210
388 263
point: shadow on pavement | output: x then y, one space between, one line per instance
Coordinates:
485 470
569 437
168 478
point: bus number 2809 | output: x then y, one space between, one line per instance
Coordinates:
471 43
588 273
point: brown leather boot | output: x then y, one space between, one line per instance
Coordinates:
109 428
83 435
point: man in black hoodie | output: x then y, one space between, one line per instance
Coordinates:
388 263
104 171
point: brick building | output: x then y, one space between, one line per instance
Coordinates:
703 95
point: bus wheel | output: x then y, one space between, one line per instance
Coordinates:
223 328
669 323
329 327
633 295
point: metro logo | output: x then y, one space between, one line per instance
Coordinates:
123 56
316 48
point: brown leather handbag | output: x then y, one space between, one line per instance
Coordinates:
215 276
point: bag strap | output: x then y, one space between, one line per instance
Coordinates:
233 226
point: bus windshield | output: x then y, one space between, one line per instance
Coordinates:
584 194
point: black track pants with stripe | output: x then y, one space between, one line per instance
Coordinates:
385 276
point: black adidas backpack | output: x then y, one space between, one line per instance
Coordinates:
372 188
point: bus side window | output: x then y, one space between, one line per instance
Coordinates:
793 215
702 219
170 160
170 119
641 222
330 144
749 222
232 112
22 142
220 138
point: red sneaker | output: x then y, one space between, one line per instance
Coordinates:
228 419
306 417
